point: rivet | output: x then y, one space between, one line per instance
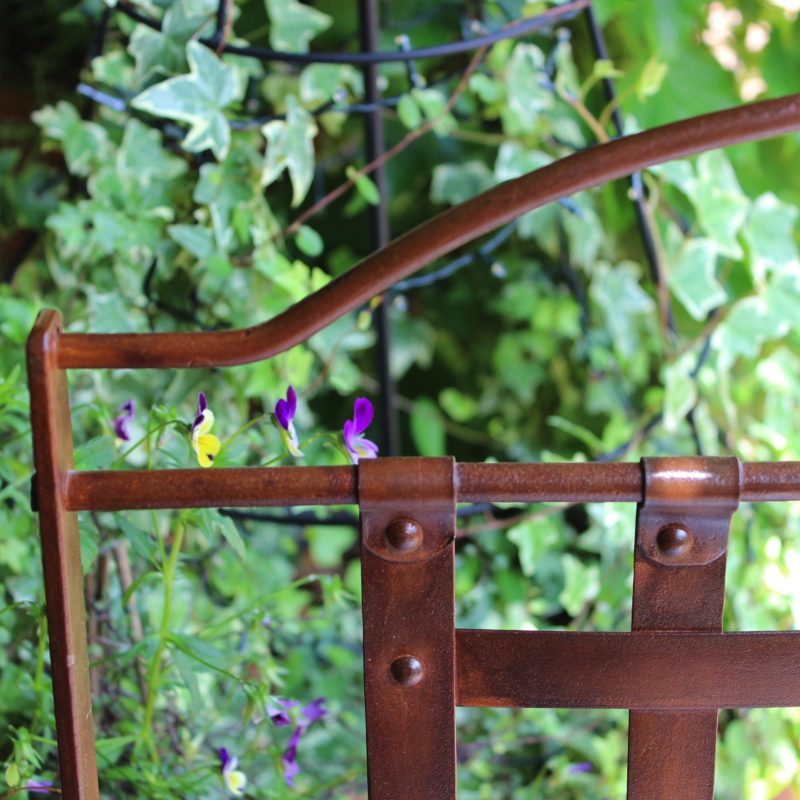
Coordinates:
673 541
407 670
404 534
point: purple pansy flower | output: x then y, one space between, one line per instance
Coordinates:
357 446
291 768
581 766
235 780
314 710
43 787
122 422
284 414
309 714
279 716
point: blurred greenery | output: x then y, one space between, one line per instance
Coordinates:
168 194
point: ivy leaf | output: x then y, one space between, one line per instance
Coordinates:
85 143
770 234
320 83
534 540
197 98
154 54
196 239
581 584
294 24
290 145
721 205
525 85
427 428
693 281
454 183
622 299
680 391
143 157
748 325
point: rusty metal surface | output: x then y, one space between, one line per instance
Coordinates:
408 524
477 483
665 671
444 233
679 585
212 488
61 560
407 534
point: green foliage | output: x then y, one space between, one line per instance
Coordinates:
181 209
197 98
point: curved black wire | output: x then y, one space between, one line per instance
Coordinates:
331 518
561 13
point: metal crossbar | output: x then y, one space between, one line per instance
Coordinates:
418 667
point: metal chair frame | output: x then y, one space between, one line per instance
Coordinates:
673 671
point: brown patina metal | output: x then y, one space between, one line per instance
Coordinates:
438 237
676 667
679 585
408 524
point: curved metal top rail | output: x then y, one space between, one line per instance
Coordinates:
449 230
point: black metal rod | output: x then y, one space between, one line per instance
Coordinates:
637 186
519 28
380 234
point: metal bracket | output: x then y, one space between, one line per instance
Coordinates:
687 509
679 585
407 532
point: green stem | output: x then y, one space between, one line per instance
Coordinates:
38 676
154 672
144 439
241 430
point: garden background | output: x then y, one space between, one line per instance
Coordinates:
149 181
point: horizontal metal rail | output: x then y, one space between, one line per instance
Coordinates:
653 671
427 242
325 486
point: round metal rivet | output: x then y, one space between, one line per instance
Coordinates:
407 670
404 535
674 541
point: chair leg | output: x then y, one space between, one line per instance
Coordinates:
61 559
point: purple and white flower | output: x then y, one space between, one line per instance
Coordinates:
235 780
205 444
357 446
122 422
285 409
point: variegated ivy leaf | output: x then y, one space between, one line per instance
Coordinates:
293 24
197 98
290 146
693 278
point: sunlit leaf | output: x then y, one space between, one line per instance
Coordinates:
197 98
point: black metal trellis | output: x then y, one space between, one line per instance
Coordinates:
522 27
